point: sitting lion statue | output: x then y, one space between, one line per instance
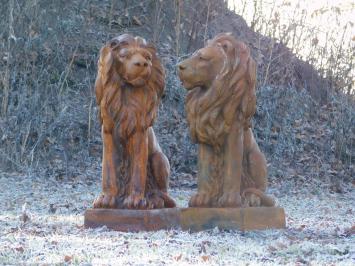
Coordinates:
129 86
220 79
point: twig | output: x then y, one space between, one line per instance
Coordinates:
207 18
68 70
177 26
111 14
6 80
269 63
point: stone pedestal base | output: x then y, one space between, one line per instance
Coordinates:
194 219
133 220
244 219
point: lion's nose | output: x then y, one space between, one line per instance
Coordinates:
141 63
181 67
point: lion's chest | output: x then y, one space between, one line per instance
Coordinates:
128 109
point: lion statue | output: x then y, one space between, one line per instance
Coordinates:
220 79
129 86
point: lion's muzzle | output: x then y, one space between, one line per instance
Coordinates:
185 74
138 70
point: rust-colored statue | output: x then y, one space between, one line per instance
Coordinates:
220 103
129 85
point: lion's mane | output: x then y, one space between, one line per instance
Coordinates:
131 109
211 111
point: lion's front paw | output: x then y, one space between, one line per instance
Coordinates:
200 200
105 200
135 201
230 200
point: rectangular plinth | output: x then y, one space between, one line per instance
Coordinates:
133 220
194 219
244 219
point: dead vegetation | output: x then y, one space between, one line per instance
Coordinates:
48 123
318 33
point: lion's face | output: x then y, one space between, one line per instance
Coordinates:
135 65
133 59
201 69
204 66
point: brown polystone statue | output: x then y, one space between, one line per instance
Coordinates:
129 86
220 79
220 103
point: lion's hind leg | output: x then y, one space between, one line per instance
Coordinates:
160 168
254 180
254 162
160 171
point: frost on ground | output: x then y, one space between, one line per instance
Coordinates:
41 222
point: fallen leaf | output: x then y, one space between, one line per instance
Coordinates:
205 258
177 258
350 231
302 227
20 249
281 245
272 248
24 216
67 258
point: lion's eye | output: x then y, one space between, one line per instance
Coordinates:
148 57
202 58
123 53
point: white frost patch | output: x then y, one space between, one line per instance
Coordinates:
317 232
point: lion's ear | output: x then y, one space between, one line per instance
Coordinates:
119 41
106 58
252 72
114 44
